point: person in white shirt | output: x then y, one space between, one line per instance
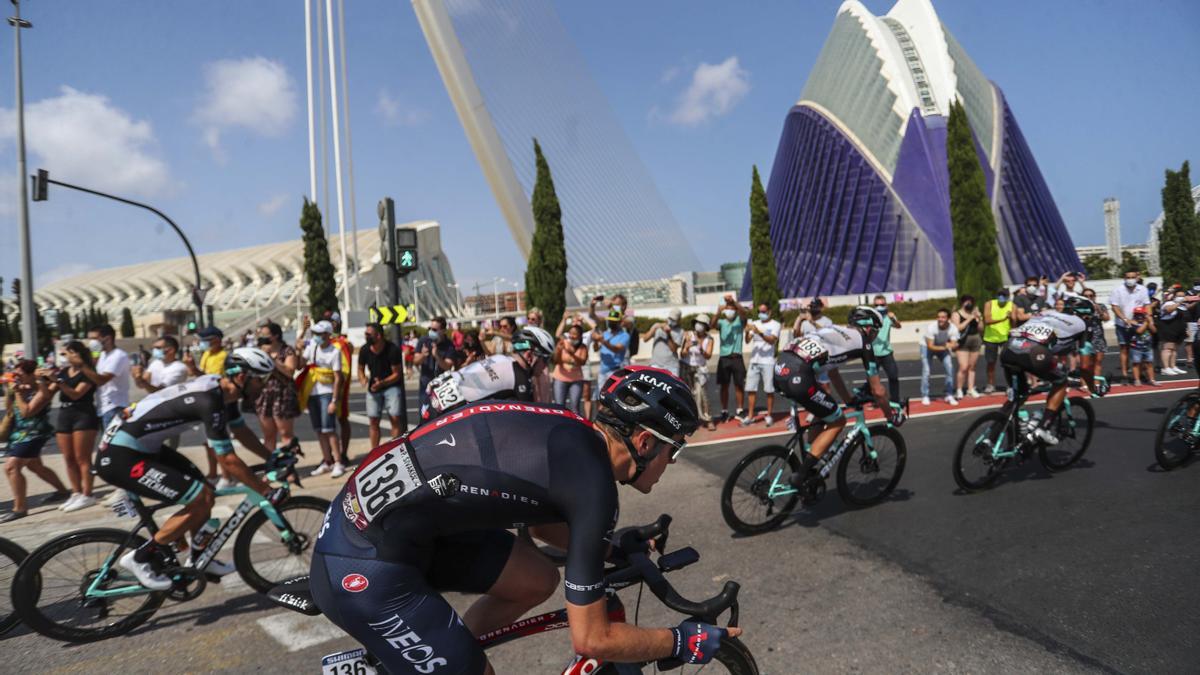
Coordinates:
811 320
763 335
111 374
165 368
1124 299
941 339
326 360
665 339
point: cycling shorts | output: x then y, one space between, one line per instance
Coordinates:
797 380
165 475
394 606
1025 356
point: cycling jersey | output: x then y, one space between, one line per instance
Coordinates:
1060 333
497 376
832 346
427 513
160 415
796 379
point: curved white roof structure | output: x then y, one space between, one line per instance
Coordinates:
266 276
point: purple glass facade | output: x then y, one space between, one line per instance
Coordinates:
840 227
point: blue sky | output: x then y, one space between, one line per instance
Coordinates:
200 109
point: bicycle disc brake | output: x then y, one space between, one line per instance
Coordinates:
189 583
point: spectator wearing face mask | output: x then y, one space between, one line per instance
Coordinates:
380 371
212 359
665 338
882 346
165 368
997 321
587 326
472 349
1141 357
941 339
1172 328
731 367
602 309
278 404
343 412
322 361
1123 300
696 350
77 423
763 334
1070 283
969 322
1027 302
612 345
435 354
811 320
111 374
570 355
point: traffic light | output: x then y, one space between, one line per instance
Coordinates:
387 220
41 184
406 250
191 326
407 260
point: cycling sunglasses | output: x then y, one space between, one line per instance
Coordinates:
676 446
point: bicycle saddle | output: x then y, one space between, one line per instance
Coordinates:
294 595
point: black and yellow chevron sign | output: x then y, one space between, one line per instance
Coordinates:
390 315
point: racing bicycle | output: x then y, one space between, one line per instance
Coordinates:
11 555
869 460
633 569
1179 432
72 589
1000 438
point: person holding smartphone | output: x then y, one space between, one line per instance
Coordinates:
29 398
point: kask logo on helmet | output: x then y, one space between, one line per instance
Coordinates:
654 382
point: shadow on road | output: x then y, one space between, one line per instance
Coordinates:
206 616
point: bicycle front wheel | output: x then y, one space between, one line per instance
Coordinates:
265 556
975 465
1074 436
1177 438
11 556
49 588
756 496
865 478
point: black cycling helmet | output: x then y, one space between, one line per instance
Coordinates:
250 360
534 339
653 399
1079 306
866 319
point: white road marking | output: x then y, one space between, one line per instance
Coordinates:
295 631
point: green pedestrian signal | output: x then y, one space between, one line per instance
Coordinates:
406 260
191 327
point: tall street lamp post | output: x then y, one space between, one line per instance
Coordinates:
28 312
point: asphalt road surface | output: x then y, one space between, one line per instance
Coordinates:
1092 569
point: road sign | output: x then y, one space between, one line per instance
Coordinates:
390 315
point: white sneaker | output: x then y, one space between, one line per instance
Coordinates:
225 483
217 567
70 501
951 400
958 393
338 470
145 574
321 468
924 400
78 502
972 393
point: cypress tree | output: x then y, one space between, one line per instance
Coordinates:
1179 240
62 322
318 270
546 273
764 281
976 261
44 338
127 330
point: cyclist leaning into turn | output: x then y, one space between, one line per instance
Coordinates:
808 362
132 456
1040 347
430 513
497 376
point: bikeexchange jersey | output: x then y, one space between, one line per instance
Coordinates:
497 376
1060 333
832 346
491 465
161 415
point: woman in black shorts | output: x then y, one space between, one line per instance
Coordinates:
77 423
1172 329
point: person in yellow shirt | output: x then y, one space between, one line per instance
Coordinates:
212 362
997 321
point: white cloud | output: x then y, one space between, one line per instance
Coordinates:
713 92
64 271
272 205
396 113
84 138
669 74
253 93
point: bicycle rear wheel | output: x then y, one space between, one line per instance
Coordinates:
975 466
48 590
263 558
11 556
863 480
746 503
1074 436
1175 441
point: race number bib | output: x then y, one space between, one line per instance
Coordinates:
1040 333
444 392
110 431
387 479
809 349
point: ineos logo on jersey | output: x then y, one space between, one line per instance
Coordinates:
355 583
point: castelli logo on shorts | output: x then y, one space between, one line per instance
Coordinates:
355 583
138 469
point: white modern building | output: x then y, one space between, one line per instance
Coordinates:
1156 227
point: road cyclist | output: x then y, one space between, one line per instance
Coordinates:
430 512
505 376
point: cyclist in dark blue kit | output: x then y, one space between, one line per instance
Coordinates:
430 512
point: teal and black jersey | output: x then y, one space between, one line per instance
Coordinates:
164 413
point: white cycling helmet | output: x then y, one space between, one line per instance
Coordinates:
250 360
538 340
